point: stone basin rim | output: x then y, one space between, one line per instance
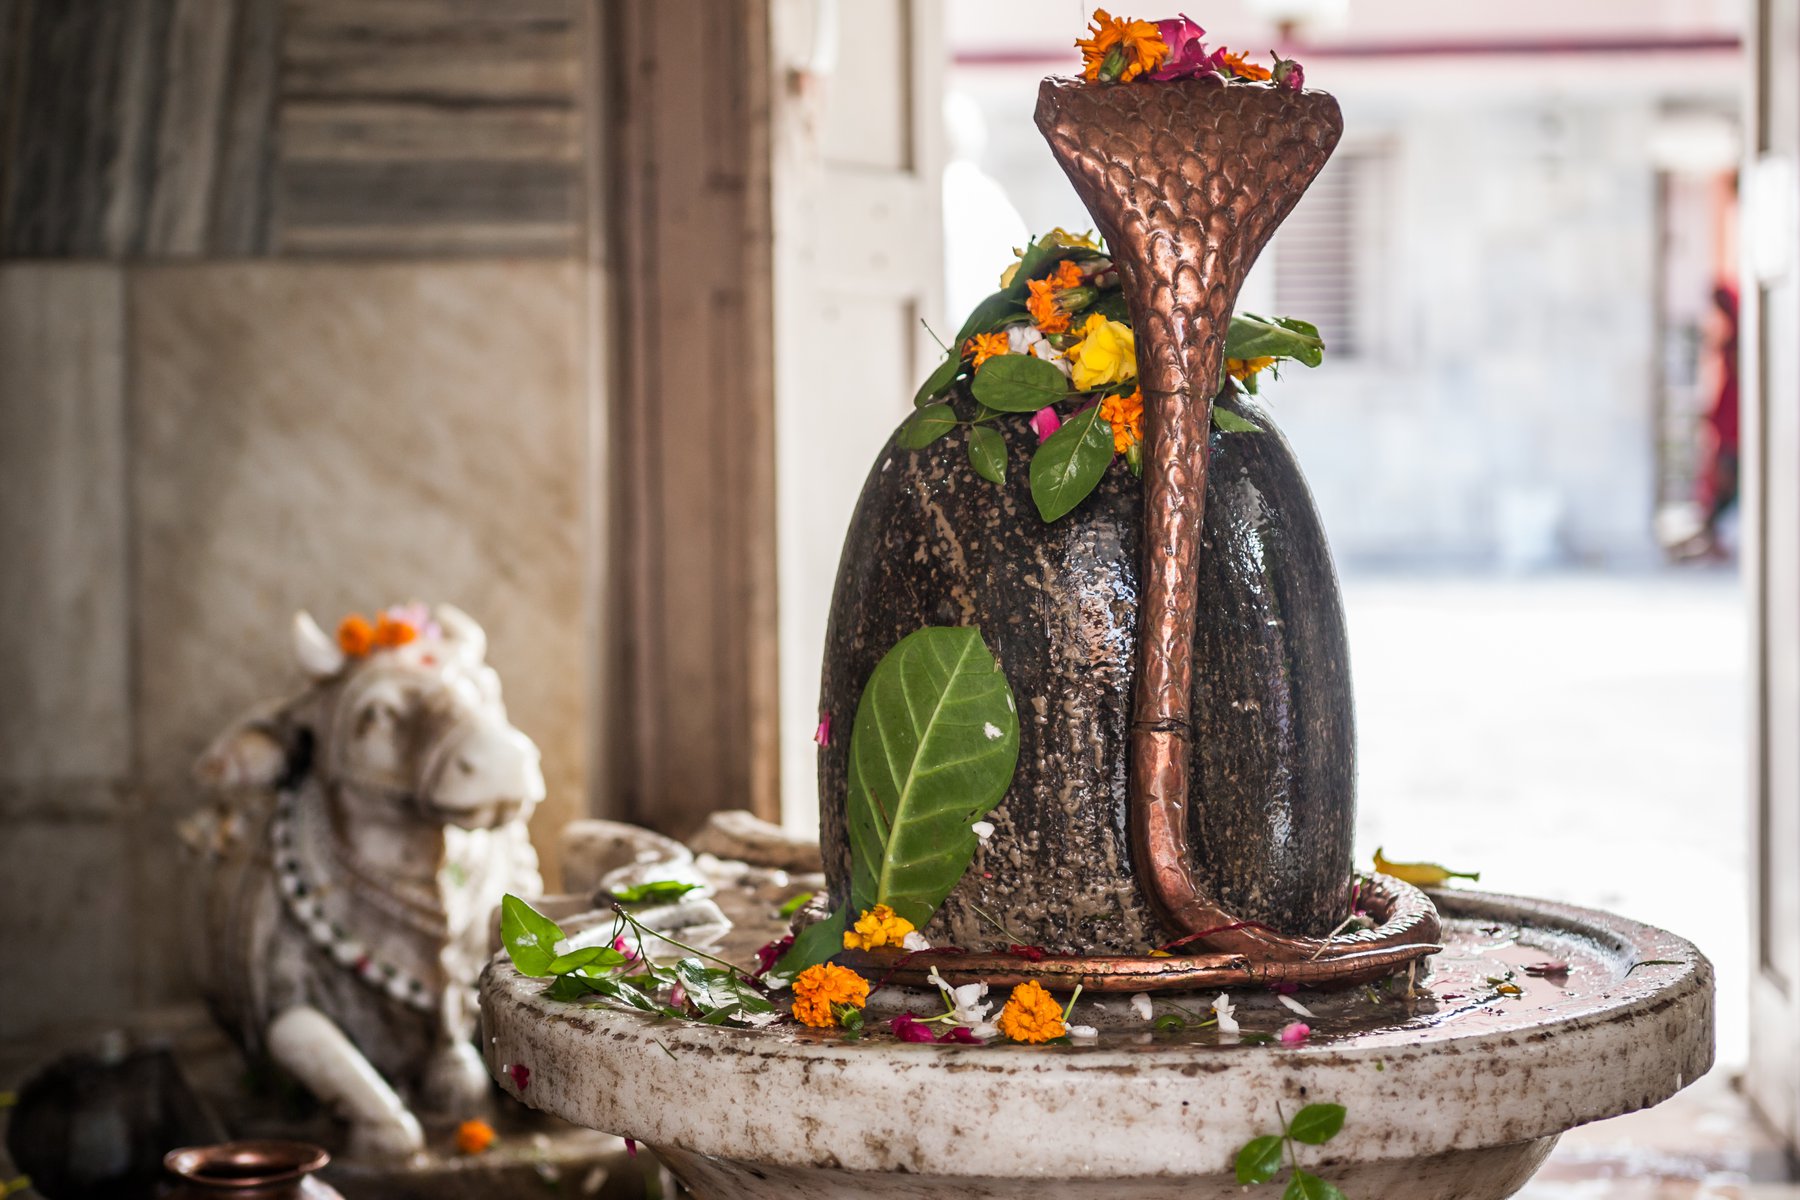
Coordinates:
1112 1112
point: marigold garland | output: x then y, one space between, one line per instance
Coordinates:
1032 1014
820 991
877 927
1041 304
1120 48
1126 416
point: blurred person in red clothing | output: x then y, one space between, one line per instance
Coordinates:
1718 481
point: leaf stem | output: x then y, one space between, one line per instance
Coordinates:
642 929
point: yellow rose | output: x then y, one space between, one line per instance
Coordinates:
1107 354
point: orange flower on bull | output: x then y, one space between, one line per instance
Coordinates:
1126 416
1243 68
1041 304
984 346
1120 49
356 637
390 632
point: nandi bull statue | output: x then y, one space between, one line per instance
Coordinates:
362 835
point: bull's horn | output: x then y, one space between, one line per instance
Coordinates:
319 656
461 628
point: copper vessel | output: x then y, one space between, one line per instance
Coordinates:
249 1170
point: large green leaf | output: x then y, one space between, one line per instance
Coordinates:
939 380
813 945
1302 1186
1018 383
1226 421
932 751
529 936
926 426
1251 336
1070 463
988 316
1258 1161
987 453
1317 1124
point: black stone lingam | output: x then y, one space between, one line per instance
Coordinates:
932 543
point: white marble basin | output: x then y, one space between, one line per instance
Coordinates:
1455 1094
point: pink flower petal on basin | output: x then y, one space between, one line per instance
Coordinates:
1295 1034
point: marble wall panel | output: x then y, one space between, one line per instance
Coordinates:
65 923
65 709
336 437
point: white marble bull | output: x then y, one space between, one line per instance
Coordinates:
365 831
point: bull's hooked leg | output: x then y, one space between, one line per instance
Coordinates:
315 1051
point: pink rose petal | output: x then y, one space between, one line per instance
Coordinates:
1295 1034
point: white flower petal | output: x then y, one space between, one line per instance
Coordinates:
1297 1006
1083 1033
914 941
1224 1010
1140 1004
983 829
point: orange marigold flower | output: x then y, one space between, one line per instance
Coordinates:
1243 68
1244 368
472 1137
390 632
1042 306
984 346
1126 416
1120 48
879 926
356 637
1066 275
1031 1014
820 990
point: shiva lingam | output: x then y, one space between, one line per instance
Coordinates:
1111 752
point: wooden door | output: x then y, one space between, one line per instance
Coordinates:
858 258
1771 319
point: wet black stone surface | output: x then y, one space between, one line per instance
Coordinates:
932 543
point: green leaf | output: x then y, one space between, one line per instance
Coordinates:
926 426
1070 463
1113 306
529 936
1226 421
657 891
1310 1187
1251 336
988 316
1258 1161
987 453
715 991
813 945
939 380
589 960
1317 1124
795 904
1020 383
932 750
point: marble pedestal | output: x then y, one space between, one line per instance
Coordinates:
1455 1091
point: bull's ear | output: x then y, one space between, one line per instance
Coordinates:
461 630
246 755
318 655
